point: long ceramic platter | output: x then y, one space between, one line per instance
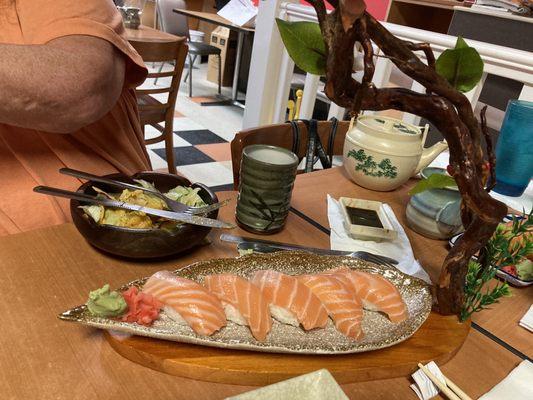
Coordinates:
379 331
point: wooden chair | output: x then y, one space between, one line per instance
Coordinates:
282 135
177 24
151 111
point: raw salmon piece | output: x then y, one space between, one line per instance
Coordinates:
341 303
246 298
202 311
287 293
375 292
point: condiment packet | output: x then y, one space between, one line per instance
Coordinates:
527 320
423 387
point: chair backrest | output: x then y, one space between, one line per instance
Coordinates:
282 135
170 21
150 51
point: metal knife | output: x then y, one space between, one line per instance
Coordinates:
174 216
284 246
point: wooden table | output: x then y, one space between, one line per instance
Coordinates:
241 31
48 270
501 320
147 34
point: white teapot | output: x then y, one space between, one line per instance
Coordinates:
382 153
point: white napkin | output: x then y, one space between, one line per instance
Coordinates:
527 320
399 249
239 12
423 387
518 385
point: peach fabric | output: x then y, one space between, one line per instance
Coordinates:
29 157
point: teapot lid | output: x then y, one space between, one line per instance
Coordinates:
388 125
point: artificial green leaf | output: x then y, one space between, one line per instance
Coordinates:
460 43
304 44
434 181
462 66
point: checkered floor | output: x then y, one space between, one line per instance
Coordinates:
200 154
201 150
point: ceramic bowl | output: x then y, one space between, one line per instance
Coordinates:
435 213
142 243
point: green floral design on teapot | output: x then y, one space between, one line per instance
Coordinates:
369 167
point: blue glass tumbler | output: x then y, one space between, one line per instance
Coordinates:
514 151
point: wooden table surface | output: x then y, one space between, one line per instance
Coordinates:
49 270
213 19
147 34
501 320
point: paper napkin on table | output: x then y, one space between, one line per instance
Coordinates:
239 12
318 385
423 387
399 248
518 385
527 320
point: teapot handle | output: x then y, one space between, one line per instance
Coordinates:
425 131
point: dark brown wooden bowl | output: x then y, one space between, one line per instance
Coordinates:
142 243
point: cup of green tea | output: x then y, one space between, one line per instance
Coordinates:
265 188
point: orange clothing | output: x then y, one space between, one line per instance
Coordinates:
28 157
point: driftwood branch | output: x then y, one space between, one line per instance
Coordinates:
491 157
448 109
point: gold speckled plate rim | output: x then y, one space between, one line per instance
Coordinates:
379 331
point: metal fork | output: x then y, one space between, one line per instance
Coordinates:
362 255
173 205
256 244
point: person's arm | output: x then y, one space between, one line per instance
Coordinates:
60 86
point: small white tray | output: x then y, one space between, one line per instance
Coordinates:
364 232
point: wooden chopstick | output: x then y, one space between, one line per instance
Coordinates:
456 389
443 388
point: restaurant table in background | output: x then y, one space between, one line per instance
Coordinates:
241 31
46 271
147 34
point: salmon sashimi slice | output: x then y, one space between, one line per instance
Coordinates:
201 310
341 303
375 291
242 300
289 298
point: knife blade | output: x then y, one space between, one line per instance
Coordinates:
171 215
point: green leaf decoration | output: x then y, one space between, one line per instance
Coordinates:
462 66
305 45
434 181
461 44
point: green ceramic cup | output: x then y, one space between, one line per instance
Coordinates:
265 188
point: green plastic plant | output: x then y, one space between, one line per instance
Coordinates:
434 181
476 279
506 247
348 24
462 66
305 45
